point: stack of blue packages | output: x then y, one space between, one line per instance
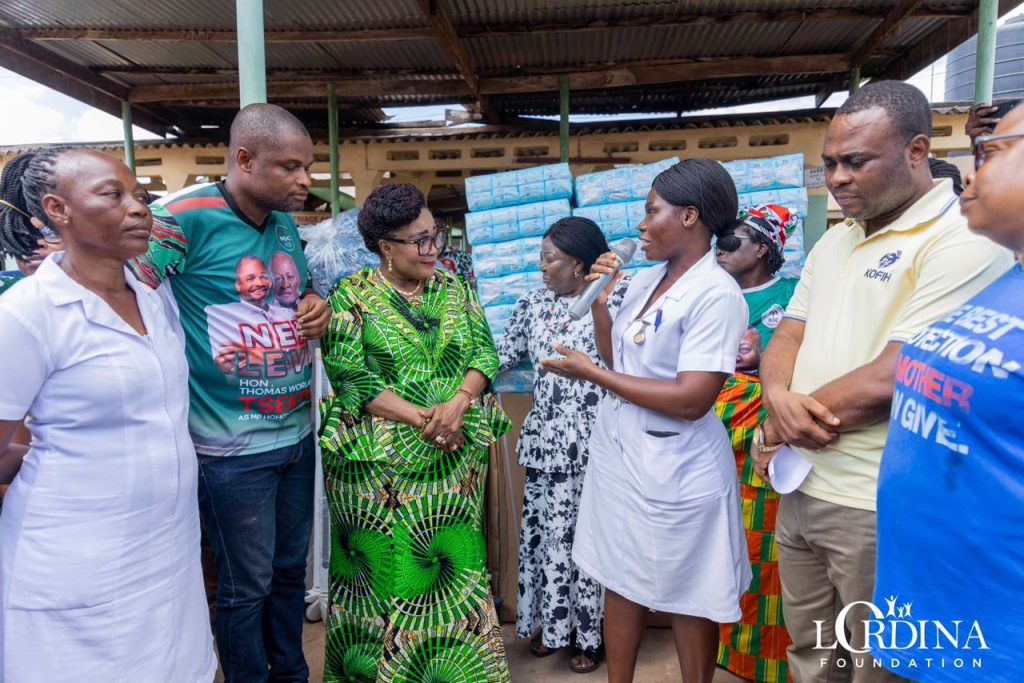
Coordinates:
509 214
615 220
513 222
625 184
772 173
513 188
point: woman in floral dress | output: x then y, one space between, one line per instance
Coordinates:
555 598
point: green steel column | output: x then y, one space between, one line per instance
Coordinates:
252 62
985 64
129 139
563 111
854 79
332 136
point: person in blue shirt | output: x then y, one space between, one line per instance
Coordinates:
949 587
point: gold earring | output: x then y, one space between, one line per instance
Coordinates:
390 269
577 274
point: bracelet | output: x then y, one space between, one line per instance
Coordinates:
470 396
761 441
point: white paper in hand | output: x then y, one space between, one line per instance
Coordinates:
787 470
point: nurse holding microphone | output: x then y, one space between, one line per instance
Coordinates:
659 523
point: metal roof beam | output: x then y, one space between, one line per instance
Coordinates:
464 31
887 28
53 71
449 37
215 36
937 44
455 90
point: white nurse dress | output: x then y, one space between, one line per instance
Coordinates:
99 538
660 520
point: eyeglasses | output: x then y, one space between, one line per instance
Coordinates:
980 154
730 243
438 239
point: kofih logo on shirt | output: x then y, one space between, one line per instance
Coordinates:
885 262
955 643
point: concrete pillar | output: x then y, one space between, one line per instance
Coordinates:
252 61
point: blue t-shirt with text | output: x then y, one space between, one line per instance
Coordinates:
951 497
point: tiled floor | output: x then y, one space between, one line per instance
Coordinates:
657 661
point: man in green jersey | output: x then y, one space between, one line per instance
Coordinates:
250 367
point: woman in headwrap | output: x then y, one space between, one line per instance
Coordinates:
751 251
659 523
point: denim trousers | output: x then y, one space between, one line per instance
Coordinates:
258 512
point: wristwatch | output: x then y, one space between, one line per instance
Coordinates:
760 442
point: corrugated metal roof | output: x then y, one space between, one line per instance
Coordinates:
295 14
642 32
120 14
418 55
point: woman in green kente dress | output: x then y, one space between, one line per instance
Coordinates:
405 444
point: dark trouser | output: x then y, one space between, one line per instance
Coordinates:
258 512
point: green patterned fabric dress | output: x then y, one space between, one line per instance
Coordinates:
409 595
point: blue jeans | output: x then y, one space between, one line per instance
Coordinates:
258 512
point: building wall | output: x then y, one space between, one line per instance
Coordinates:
447 162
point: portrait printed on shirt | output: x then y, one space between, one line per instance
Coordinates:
748 356
255 341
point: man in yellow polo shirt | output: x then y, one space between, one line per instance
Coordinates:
902 259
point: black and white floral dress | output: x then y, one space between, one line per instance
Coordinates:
553 594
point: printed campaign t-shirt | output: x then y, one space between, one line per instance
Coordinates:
237 286
8 278
767 305
951 494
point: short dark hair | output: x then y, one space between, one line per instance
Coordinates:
26 179
580 238
909 112
247 258
704 184
387 209
259 126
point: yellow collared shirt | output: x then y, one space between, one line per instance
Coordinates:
857 293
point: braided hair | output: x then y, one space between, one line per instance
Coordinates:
26 179
704 184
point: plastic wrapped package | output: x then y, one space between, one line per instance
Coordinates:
615 220
495 291
514 222
628 183
794 199
504 258
335 250
772 173
498 317
517 380
540 183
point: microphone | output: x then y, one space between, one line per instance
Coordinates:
624 249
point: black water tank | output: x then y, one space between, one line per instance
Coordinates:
1009 76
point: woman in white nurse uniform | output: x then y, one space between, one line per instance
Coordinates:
659 522
99 537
